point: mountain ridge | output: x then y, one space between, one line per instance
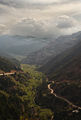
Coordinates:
52 49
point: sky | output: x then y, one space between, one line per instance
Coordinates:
40 18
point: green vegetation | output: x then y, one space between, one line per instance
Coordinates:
62 111
8 65
17 96
28 68
65 71
34 83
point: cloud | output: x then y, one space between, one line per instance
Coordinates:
2 29
51 28
28 27
35 28
13 3
34 3
40 18
2 10
77 16
65 22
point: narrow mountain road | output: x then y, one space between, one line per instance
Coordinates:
6 74
62 98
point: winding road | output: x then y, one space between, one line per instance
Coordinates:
62 98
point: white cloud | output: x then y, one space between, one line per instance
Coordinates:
40 18
47 28
2 29
35 28
28 27
65 22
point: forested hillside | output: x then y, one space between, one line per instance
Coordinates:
17 96
64 64
8 65
64 75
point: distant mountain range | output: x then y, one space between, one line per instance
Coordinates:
20 46
62 65
53 49
31 50
66 65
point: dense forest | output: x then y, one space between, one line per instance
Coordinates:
17 96
8 65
